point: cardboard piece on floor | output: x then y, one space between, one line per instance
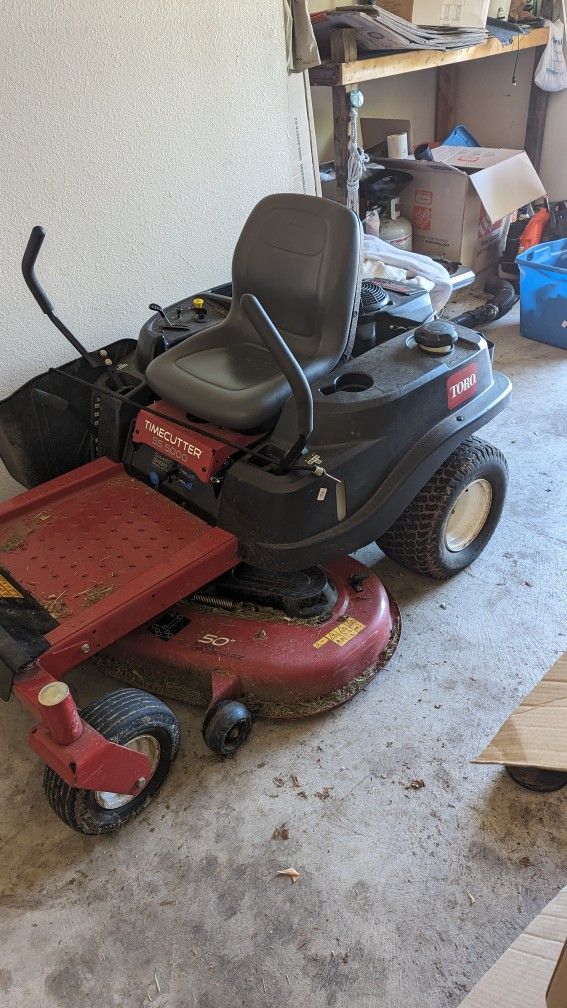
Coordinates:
535 734
557 990
524 975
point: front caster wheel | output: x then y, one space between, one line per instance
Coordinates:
535 779
134 719
227 726
448 524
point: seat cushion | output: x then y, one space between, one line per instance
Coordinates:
218 377
300 256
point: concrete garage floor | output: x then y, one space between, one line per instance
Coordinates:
382 914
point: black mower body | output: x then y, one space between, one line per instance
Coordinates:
383 424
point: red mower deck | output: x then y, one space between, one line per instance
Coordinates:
281 667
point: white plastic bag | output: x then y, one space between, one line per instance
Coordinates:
551 74
416 265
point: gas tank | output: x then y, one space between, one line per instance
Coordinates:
397 231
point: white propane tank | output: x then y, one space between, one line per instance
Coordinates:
394 228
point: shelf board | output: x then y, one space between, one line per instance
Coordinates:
390 65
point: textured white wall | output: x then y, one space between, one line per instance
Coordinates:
139 134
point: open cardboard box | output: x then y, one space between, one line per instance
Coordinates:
532 973
535 734
465 14
460 204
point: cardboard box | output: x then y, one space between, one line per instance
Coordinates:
460 204
302 134
535 734
557 990
441 13
532 973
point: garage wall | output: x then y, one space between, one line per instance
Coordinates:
139 135
554 155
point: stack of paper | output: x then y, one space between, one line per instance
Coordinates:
378 30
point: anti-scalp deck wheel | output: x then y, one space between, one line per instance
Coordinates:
450 521
227 726
131 718
536 779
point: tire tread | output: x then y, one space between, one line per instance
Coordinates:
412 540
116 716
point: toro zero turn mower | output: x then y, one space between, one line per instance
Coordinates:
194 497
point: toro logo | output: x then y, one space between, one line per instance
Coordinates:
462 385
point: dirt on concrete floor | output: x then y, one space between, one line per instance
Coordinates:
407 894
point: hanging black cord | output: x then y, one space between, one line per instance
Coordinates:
252 453
514 81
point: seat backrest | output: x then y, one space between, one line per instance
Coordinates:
301 257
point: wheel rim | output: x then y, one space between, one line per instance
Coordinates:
236 735
150 747
468 515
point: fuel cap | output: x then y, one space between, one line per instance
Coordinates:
437 337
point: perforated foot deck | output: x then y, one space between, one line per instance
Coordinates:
103 553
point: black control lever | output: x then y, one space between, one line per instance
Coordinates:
157 308
166 323
35 241
281 353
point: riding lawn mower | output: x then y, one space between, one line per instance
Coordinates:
194 498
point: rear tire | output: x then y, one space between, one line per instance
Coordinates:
450 521
125 716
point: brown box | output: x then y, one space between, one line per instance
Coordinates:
443 13
532 973
460 204
535 734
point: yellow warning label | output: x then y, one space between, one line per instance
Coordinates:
341 634
7 590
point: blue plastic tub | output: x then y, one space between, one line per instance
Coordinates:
460 136
543 293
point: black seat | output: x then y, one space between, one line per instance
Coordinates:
300 256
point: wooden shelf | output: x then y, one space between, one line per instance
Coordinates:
344 72
376 67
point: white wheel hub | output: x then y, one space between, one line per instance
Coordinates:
150 747
468 515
